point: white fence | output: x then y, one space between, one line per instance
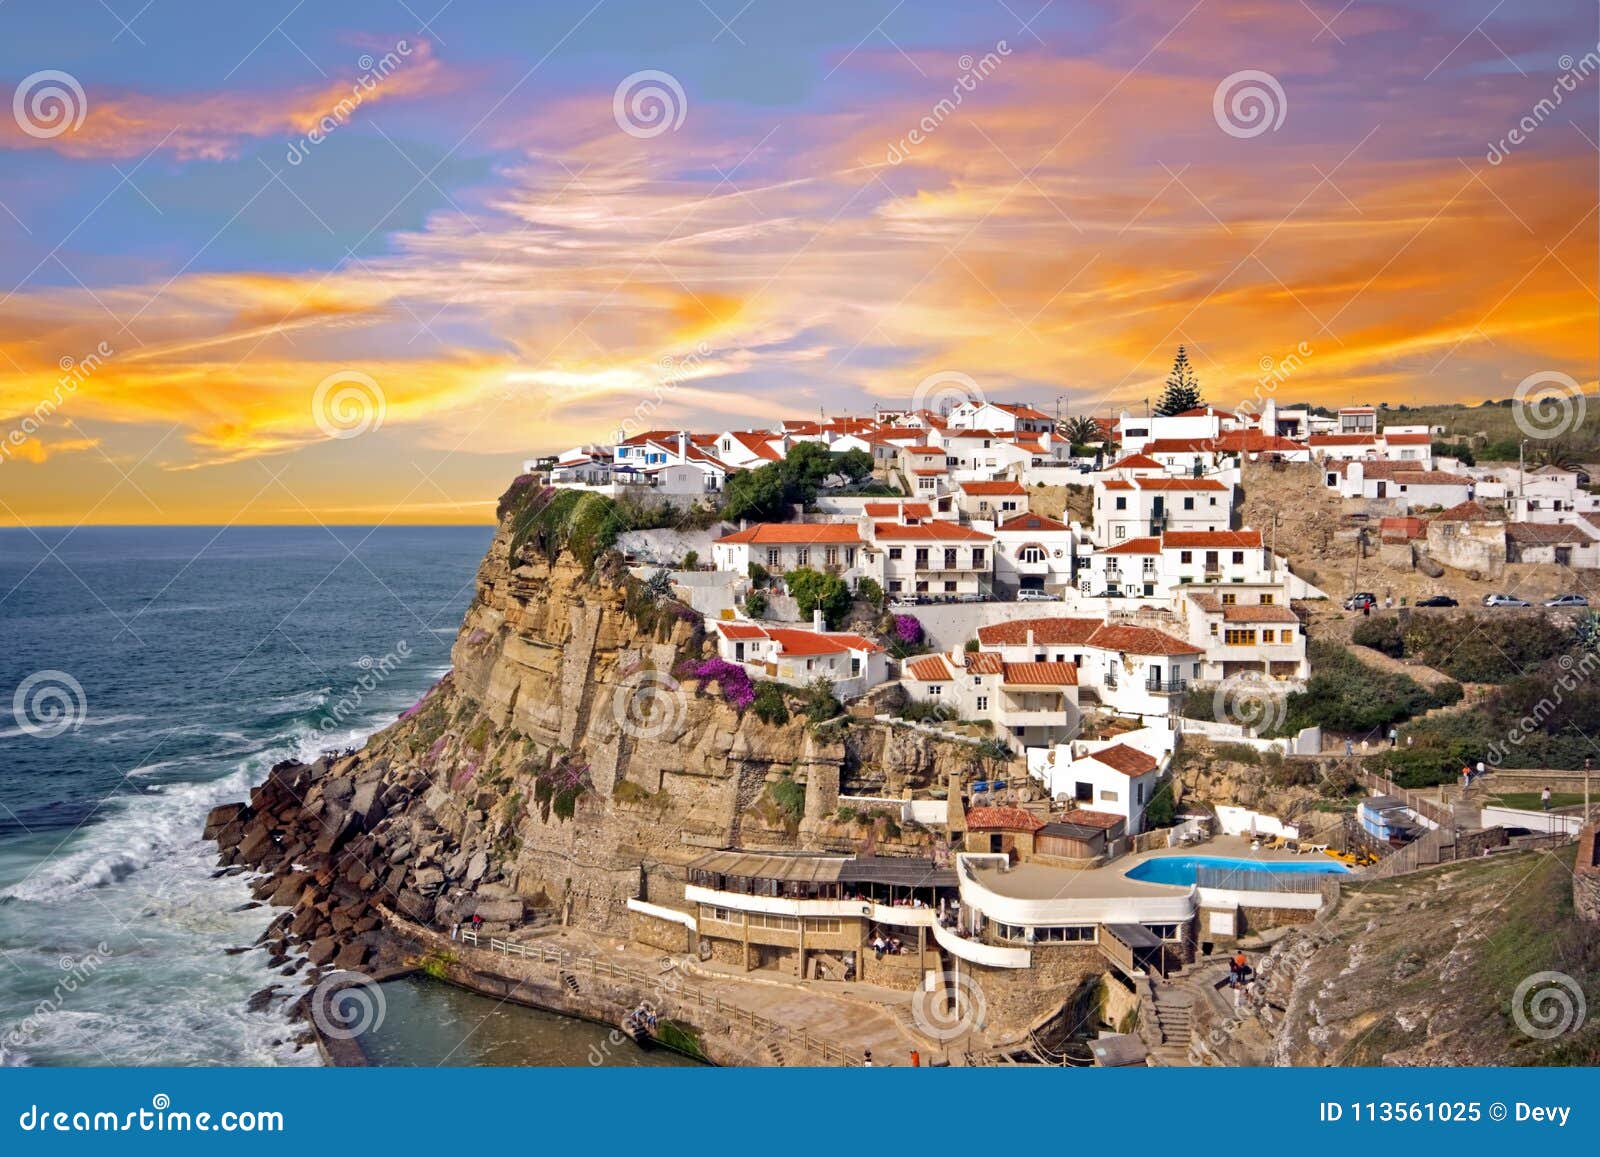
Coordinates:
1550 823
921 811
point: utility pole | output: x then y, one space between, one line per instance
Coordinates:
1522 483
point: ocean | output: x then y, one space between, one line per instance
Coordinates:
148 674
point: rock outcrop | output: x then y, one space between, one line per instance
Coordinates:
568 761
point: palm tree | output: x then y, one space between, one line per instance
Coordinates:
1082 431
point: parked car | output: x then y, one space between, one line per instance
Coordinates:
1500 600
1031 596
1567 601
1360 601
1438 601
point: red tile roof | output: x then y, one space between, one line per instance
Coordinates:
796 533
1430 478
1135 546
1179 484
1092 819
1007 487
1466 512
796 641
1003 818
1041 674
929 669
1543 533
984 663
895 509
1409 439
1401 529
1206 539
938 530
1257 613
1045 631
1019 410
740 630
1142 641
1032 522
1136 462
1127 760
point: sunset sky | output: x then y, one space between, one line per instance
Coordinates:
503 248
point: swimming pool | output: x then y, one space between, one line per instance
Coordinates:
1181 869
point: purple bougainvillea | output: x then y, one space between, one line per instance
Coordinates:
735 684
464 776
908 630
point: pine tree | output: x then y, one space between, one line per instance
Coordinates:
1183 388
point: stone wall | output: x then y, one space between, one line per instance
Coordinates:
1014 998
1586 876
667 935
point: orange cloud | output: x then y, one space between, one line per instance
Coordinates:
212 126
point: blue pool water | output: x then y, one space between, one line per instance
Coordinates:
1181 869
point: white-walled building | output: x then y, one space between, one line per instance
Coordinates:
785 546
1253 635
993 500
1032 552
1031 704
936 557
797 656
1112 778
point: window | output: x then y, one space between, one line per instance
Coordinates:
1238 558
895 553
1266 598
1239 637
1138 793
1031 553
822 924
830 556
921 559
774 558
949 586
1108 796
983 703
1186 556
1083 792
894 586
1230 598
1213 629
1122 503
977 558
1188 503
949 559
935 689
802 555
1120 531
1166 931
1213 501
1067 934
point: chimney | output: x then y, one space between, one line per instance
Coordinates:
683 446
816 620
1030 636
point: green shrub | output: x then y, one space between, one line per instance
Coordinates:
755 604
869 592
789 796
1381 634
769 705
1344 694
691 559
813 589
818 701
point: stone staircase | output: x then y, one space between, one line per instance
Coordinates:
1174 1012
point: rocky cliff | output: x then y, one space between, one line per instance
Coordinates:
570 758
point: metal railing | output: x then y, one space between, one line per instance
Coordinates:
691 996
1166 687
1263 880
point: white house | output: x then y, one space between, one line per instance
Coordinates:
785 546
1146 504
1113 778
1254 635
1029 703
934 558
797 656
1032 552
994 500
1013 416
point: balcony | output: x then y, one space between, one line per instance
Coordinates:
1166 687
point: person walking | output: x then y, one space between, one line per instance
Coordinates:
1544 798
1394 737
1349 747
